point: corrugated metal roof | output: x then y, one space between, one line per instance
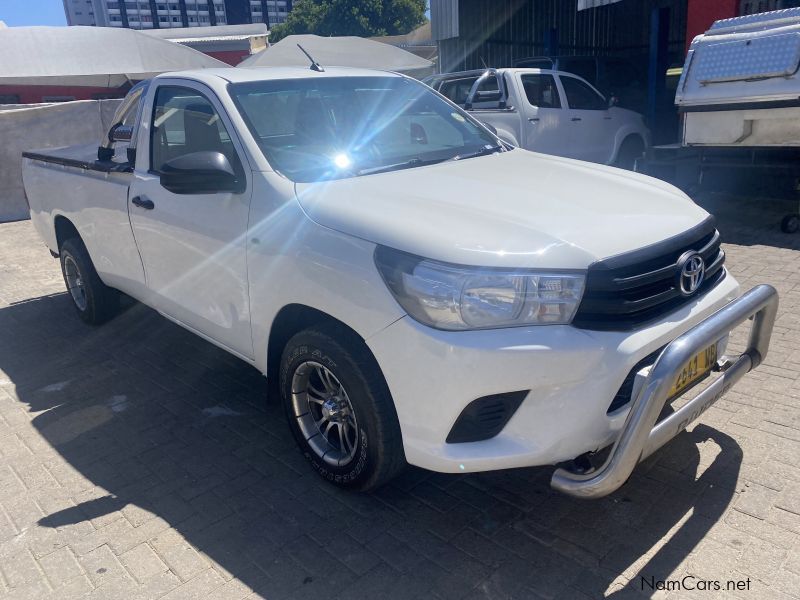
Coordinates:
218 32
444 19
223 38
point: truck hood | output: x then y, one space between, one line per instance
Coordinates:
514 209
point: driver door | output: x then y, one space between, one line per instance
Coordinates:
192 244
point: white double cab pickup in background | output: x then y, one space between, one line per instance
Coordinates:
549 111
416 290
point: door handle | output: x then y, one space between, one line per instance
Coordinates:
143 202
534 119
576 119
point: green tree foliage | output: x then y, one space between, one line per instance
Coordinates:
363 18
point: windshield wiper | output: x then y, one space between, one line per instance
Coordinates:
406 164
482 152
418 162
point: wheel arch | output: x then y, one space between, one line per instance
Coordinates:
291 319
64 230
625 136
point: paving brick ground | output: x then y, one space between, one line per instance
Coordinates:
137 461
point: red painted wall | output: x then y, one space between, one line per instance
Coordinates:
702 13
232 57
33 94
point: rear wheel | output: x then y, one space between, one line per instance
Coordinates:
632 148
339 408
94 301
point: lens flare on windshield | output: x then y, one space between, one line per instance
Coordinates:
342 161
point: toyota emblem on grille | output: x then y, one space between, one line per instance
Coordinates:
692 271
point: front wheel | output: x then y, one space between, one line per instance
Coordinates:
339 408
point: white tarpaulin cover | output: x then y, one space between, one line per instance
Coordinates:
347 51
90 56
584 4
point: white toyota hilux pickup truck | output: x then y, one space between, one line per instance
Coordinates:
549 111
416 290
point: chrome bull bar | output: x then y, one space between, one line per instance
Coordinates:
641 436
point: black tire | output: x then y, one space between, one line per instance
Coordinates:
790 224
100 302
378 454
632 148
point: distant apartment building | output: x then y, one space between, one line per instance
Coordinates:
155 14
80 12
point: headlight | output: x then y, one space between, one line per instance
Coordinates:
456 297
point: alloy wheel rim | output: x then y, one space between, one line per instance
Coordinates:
324 413
75 284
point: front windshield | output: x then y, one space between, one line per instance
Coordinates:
333 127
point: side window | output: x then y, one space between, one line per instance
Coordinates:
184 121
541 91
580 96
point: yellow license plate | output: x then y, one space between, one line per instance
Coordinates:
694 370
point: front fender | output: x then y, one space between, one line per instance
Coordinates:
626 131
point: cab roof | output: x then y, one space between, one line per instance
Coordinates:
246 75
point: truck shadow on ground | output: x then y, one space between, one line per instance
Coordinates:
149 428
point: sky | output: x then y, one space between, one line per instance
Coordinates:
32 12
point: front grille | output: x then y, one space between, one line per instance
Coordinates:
629 290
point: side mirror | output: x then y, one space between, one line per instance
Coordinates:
117 133
613 101
200 173
120 133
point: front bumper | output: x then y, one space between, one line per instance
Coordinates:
571 374
641 436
